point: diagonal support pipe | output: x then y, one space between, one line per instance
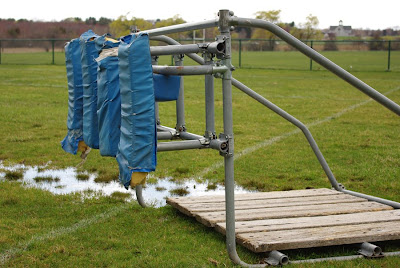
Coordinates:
311 53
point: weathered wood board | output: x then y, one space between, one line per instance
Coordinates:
296 219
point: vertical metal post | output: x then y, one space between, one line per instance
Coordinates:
180 103
209 98
389 48
154 61
228 132
310 58
52 51
240 53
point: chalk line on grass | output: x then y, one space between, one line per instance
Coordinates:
276 139
23 246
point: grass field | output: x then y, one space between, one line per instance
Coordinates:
359 139
289 60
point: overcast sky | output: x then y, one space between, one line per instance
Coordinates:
359 14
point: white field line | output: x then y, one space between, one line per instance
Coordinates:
23 246
276 139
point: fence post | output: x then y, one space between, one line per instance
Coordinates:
389 48
52 50
0 51
310 58
240 53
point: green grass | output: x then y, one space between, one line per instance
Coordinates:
13 175
276 60
361 146
48 179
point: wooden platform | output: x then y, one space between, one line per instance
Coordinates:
296 219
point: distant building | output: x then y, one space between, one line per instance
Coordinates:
341 30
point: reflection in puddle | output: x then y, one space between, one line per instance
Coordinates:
65 181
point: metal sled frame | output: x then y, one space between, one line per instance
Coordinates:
224 143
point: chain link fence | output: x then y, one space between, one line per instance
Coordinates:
353 55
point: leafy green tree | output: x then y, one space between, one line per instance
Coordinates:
91 21
122 25
310 27
307 30
104 21
71 19
271 16
173 21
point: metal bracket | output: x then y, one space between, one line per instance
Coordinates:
178 57
210 135
341 186
276 258
219 47
369 250
181 128
226 146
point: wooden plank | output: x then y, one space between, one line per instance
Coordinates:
253 196
211 218
320 236
312 222
193 208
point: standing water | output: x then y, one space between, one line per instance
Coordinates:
69 180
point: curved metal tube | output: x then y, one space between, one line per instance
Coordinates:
139 195
182 27
295 122
311 53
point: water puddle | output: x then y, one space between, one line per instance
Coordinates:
69 180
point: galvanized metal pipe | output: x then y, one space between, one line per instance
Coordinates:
188 70
295 122
228 158
343 258
164 135
164 128
139 195
190 136
373 198
180 145
174 49
311 53
180 102
183 27
213 47
209 100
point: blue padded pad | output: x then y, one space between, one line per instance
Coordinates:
108 103
90 51
75 97
138 142
166 87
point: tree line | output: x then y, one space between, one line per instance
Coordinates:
74 26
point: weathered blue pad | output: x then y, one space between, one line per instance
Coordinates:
89 74
166 87
108 102
138 141
75 97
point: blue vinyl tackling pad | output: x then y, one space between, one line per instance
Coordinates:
111 100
